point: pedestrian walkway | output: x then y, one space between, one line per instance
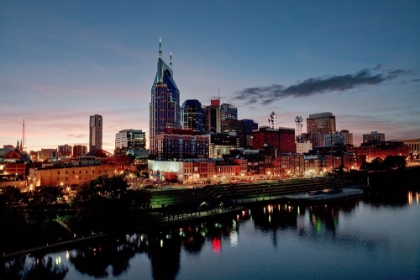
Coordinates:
198 215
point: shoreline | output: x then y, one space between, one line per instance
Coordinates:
259 196
178 221
49 247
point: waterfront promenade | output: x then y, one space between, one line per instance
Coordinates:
239 193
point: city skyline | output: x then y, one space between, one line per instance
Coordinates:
64 62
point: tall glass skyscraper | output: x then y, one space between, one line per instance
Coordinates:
95 132
164 104
229 112
192 116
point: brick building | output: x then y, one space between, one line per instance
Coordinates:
62 175
380 150
283 139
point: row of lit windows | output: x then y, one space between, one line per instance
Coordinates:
80 171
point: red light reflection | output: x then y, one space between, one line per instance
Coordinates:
216 244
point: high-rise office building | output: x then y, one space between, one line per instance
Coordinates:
317 125
212 117
131 142
344 137
228 112
249 125
192 116
181 146
164 102
95 132
245 132
130 139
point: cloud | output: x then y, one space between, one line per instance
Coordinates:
377 67
77 135
312 86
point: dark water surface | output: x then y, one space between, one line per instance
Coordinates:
353 239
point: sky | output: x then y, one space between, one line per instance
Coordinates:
63 61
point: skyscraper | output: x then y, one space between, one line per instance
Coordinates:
95 132
229 112
192 116
319 124
164 102
212 122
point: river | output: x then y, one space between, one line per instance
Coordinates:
377 238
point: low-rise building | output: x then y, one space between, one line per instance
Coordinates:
12 167
380 150
68 174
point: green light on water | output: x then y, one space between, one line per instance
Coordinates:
318 226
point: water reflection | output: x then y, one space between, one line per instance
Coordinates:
111 257
95 259
34 267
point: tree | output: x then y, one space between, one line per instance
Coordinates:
395 162
376 164
47 195
12 196
102 201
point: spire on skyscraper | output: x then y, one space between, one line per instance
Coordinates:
165 111
170 60
160 47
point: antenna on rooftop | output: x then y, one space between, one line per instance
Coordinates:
23 142
272 120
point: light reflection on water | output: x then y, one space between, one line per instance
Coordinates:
346 240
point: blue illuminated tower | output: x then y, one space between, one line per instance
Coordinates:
192 116
164 104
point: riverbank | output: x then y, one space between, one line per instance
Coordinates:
174 207
158 224
51 247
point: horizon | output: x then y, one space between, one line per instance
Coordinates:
65 62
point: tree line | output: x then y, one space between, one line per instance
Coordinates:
49 214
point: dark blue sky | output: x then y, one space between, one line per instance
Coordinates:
62 61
